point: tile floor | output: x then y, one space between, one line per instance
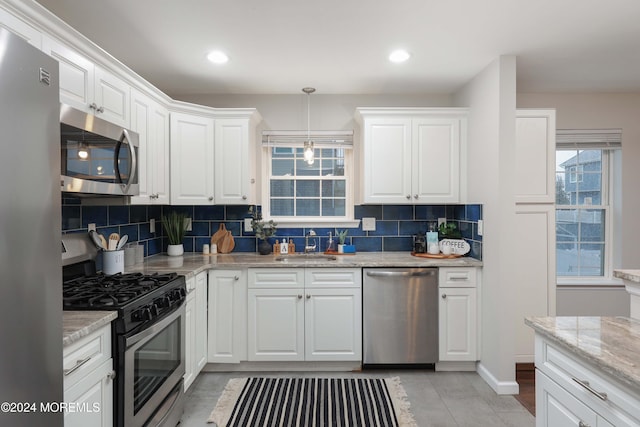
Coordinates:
437 398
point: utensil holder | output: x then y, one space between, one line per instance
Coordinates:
113 262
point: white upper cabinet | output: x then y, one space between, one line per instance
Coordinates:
192 153
20 28
88 87
235 158
151 121
535 156
412 156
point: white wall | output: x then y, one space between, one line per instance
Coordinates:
603 110
492 102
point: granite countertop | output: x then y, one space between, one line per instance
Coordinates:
78 324
612 344
630 275
193 263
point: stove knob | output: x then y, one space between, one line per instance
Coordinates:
146 314
154 310
166 301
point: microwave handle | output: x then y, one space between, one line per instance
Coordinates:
134 161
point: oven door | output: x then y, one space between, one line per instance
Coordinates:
97 157
153 366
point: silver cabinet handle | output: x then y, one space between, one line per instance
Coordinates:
211 198
444 296
244 197
408 196
415 196
458 278
599 394
308 296
583 424
299 296
77 366
111 375
100 110
93 106
236 278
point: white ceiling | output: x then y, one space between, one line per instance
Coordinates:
341 46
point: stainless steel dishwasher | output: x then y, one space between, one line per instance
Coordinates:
400 316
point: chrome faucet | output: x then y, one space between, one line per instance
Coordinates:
308 248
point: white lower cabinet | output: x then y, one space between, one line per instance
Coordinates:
88 380
195 328
458 314
572 392
298 314
227 320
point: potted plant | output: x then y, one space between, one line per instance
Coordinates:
175 227
448 230
342 237
263 230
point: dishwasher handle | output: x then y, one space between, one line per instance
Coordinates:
401 273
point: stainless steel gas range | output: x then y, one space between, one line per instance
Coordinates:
148 335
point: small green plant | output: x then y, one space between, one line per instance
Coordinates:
175 226
449 230
342 236
260 228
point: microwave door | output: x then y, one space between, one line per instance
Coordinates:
125 139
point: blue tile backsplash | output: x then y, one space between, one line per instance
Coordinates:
395 225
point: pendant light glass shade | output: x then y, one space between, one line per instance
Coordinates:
308 152
308 145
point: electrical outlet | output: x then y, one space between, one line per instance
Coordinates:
480 227
91 227
188 226
368 224
441 221
152 225
247 225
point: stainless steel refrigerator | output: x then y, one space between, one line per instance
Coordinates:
30 232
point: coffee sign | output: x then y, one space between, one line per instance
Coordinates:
458 246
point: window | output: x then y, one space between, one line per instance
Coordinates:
584 176
298 191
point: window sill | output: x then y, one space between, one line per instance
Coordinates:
587 283
316 223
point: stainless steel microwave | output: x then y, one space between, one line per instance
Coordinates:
97 156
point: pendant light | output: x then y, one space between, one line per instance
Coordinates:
308 144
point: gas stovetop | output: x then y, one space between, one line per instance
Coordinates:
140 299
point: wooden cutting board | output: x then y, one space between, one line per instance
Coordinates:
219 235
227 244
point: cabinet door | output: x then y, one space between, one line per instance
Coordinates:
151 121
556 407
227 331
435 161
76 74
94 393
200 315
457 324
387 160
535 156
333 324
189 341
232 181
276 325
191 160
112 98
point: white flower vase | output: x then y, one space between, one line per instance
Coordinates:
175 250
340 249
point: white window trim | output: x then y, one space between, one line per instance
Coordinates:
607 279
347 221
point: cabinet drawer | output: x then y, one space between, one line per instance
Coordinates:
609 398
276 278
457 277
333 277
83 356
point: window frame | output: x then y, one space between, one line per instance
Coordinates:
347 221
608 178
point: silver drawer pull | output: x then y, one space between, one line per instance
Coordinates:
458 278
79 363
600 395
583 424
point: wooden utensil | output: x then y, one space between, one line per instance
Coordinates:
103 241
227 244
219 235
114 238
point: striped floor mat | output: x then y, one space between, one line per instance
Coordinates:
313 402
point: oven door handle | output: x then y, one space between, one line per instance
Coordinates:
155 328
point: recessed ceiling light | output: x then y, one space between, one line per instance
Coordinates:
399 56
218 57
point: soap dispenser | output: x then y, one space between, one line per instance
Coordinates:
284 247
432 240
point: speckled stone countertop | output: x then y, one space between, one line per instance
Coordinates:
630 275
78 324
612 344
193 263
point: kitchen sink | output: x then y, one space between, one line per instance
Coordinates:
306 257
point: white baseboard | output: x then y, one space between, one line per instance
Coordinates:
500 387
456 366
283 367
